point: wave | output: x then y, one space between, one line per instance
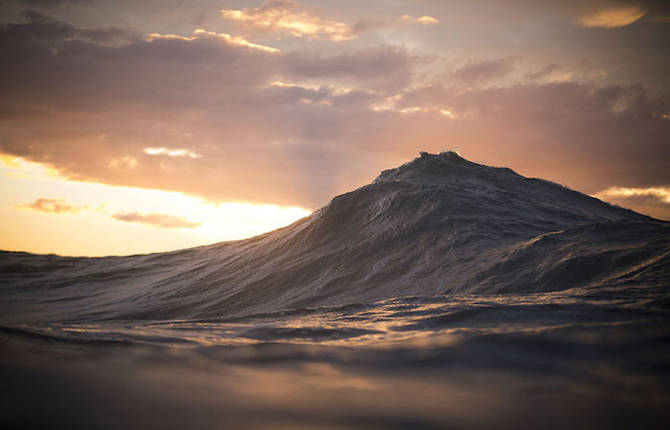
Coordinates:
437 225
445 294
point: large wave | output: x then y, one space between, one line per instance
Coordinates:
437 225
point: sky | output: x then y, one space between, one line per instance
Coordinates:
142 126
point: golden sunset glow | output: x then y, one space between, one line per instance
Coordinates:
43 212
200 34
282 16
661 193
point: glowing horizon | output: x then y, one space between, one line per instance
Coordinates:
40 209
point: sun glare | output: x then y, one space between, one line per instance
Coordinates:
87 218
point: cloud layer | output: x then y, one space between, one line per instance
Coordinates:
284 16
216 115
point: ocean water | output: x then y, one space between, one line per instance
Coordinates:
445 295
578 358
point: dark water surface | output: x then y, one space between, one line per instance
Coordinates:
578 358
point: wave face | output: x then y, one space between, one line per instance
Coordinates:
437 225
445 294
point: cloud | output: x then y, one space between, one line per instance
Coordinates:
55 206
284 16
384 68
200 34
613 13
42 58
49 2
423 20
612 17
91 110
42 27
44 64
544 72
662 194
46 3
61 206
157 220
654 201
171 152
94 109
486 70
369 25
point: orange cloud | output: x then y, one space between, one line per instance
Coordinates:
612 17
652 201
157 220
171 152
660 193
56 206
423 20
282 16
202 34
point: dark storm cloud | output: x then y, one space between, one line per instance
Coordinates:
297 127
